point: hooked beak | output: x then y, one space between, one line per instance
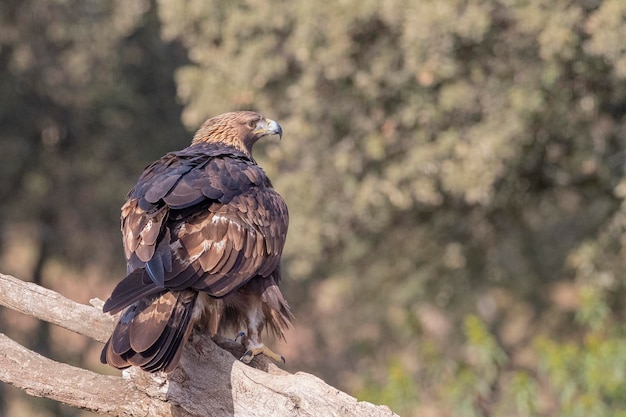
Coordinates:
268 127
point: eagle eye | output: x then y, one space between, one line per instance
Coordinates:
251 124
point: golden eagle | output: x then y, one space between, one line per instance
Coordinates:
203 233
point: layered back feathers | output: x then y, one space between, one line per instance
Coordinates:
201 220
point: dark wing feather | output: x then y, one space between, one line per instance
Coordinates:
159 178
231 243
204 218
183 195
131 289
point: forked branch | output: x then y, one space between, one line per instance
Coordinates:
209 381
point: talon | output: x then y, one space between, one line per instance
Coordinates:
251 353
239 337
247 357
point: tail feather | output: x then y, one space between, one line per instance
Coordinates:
145 331
120 344
172 340
114 360
167 359
152 332
136 286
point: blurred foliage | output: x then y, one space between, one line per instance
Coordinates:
454 172
399 389
587 377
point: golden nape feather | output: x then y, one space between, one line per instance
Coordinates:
203 233
240 129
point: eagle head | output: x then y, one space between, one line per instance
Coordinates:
240 129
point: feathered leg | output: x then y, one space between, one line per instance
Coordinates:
252 341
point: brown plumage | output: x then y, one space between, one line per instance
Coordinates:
203 232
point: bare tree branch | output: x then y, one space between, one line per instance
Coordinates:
73 386
209 380
36 301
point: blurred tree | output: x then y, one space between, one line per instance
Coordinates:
440 159
88 100
454 171
86 83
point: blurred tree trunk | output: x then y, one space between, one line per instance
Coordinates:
208 381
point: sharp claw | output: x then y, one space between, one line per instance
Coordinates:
247 356
239 337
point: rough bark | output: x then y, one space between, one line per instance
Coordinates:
209 381
77 387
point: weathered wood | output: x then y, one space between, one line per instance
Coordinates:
44 304
249 390
42 377
209 381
